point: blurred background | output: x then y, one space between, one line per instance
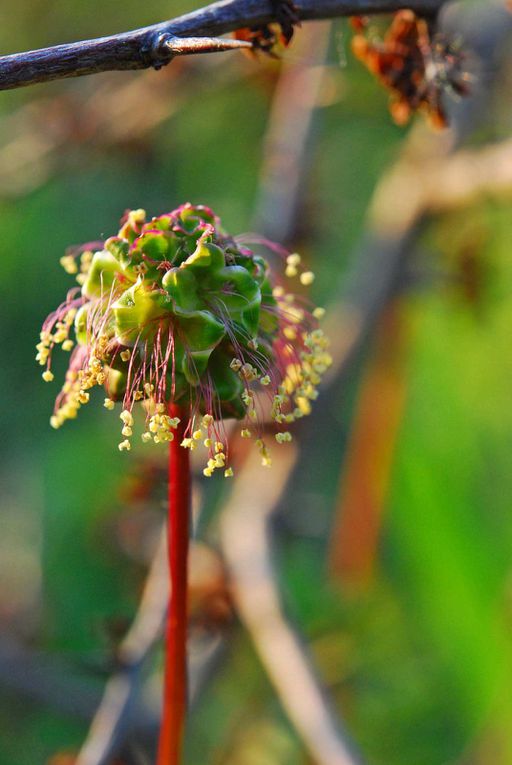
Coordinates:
381 543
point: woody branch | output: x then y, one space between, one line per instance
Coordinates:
156 45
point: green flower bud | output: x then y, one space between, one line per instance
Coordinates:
173 310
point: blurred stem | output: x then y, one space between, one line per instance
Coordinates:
175 680
371 451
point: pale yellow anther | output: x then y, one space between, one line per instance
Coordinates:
127 431
208 442
266 460
303 405
69 265
135 217
295 314
146 437
278 291
83 397
197 435
253 344
47 375
125 355
319 313
55 422
245 433
126 417
138 395
247 397
265 380
187 443
219 446
282 438
148 388
248 372
293 259
207 420
290 333
290 271
235 365
160 408
228 473
67 345
307 278
124 446
208 472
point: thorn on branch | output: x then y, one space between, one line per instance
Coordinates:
267 37
165 47
287 17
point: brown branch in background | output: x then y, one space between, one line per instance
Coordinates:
287 145
370 451
245 538
246 546
462 179
116 719
157 45
113 717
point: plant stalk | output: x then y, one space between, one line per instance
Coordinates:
175 678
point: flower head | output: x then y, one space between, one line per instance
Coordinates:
175 311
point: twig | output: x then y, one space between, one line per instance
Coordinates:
156 45
246 547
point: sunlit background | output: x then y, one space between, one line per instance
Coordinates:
392 537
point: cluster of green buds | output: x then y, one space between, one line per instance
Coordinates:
173 311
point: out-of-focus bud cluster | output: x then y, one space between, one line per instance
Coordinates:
416 66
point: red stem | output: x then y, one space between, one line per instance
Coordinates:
175 680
